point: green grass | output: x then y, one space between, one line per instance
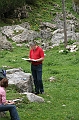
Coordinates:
61 96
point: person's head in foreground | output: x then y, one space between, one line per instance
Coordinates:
4 82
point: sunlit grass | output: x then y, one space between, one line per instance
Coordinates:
61 96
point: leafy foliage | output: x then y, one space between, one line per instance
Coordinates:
76 2
33 2
7 5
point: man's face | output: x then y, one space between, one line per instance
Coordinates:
33 47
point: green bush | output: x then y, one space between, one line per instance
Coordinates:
76 1
7 5
31 2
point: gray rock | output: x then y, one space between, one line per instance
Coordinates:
34 98
23 81
4 43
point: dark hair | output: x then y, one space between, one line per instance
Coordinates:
4 82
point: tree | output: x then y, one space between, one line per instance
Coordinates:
76 2
7 5
64 20
76 6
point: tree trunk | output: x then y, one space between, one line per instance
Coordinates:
64 20
76 6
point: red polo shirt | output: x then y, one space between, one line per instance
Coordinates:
36 54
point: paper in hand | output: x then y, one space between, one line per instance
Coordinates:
29 60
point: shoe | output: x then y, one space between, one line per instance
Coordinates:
36 93
42 92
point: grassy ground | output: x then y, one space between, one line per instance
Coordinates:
61 96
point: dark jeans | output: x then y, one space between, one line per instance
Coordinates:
11 109
37 76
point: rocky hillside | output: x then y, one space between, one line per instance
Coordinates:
44 23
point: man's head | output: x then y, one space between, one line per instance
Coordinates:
33 44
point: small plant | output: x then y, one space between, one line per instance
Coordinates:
18 32
71 42
65 51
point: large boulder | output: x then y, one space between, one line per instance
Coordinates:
4 43
22 80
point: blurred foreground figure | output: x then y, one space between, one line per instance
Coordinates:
6 105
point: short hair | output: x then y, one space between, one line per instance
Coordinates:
4 82
33 43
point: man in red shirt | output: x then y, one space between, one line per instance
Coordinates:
36 56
